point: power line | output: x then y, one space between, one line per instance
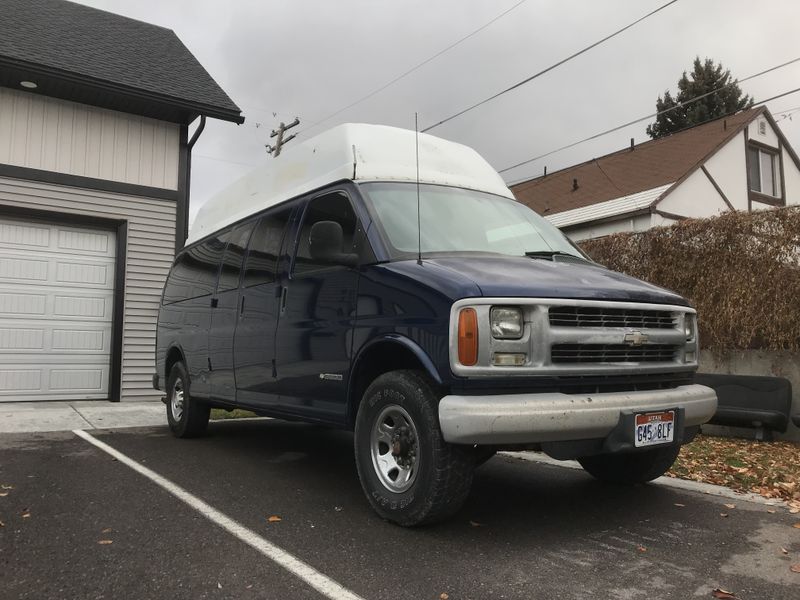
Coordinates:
414 68
656 114
550 68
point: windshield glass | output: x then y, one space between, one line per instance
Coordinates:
460 220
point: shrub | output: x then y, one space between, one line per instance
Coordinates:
741 271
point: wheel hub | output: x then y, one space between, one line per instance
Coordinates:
394 447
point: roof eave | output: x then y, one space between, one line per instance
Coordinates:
103 87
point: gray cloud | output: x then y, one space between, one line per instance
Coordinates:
309 58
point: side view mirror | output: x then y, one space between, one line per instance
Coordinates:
325 244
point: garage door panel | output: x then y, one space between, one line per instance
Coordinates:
56 311
16 233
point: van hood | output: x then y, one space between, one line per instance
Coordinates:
512 276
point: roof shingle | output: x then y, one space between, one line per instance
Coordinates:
648 165
106 47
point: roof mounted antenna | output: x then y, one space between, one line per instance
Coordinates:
419 219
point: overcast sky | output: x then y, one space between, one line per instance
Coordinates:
309 58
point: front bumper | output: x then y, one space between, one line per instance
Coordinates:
553 417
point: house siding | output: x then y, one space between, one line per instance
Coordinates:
150 250
729 170
695 197
55 135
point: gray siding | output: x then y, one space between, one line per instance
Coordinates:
150 250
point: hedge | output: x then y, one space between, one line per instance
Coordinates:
741 271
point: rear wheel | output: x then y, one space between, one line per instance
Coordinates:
409 474
187 417
632 467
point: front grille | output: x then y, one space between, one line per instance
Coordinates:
588 316
611 353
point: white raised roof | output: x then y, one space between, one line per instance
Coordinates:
354 151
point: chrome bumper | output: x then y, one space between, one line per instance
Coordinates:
554 417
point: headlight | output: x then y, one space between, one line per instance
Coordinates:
690 326
506 322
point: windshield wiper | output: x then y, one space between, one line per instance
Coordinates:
549 254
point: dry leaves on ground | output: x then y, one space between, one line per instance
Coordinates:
105 542
723 594
274 519
771 469
795 568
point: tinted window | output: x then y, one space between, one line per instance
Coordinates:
265 247
195 272
331 207
236 244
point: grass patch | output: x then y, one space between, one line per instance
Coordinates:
771 469
218 414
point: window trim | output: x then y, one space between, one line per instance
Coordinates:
300 221
777 155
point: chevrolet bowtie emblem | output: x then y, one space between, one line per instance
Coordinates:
635 338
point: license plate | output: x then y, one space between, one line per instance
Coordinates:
652 429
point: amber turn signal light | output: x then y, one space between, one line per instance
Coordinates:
468 337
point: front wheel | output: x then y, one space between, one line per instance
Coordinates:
410 475
633 467
187 417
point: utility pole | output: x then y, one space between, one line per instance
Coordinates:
279 143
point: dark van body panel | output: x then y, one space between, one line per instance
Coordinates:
327 322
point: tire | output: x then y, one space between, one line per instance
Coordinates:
632 467
186 416
409 474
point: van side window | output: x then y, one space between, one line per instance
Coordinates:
330 207
195 272
265 246
236 244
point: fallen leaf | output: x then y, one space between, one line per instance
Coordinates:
105 542
219 585
723 515
771 511
3 494
796 525
795 568
641 549
476 524
2 524
723 594
338 508
443 596
679 504
273 519
26 513
731 506
784 550
249 587
107 530
6 487
794 511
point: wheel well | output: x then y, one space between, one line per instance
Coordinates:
174 355
378 359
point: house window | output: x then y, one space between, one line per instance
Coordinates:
765 171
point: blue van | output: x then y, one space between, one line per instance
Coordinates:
388 283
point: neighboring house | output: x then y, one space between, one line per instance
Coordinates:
741 162
94 194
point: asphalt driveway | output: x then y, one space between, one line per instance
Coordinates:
97 528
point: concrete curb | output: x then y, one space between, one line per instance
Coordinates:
681 484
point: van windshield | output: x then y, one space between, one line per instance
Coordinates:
460 220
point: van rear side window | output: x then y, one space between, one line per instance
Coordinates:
195 272
234 255
265 247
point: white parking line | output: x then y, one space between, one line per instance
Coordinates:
322 583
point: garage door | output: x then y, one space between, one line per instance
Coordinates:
56 301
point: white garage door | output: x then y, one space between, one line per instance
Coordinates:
56 301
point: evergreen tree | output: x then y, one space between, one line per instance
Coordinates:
704 78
